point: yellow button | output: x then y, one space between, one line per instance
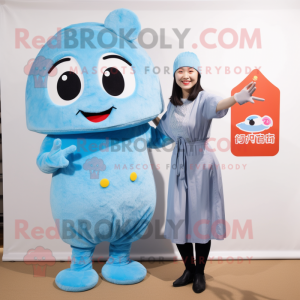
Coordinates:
104 182
133 176
255 78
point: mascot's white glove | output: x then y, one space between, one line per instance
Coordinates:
245 95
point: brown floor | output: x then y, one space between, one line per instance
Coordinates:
259 279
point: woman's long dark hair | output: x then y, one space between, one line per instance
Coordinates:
176 96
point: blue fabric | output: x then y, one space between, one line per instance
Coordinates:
181 159
97 135
80 276
130 273
157 138
120 269
195 211
210 106
142 106
122 18
75 281
186 59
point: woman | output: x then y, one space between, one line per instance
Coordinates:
195 212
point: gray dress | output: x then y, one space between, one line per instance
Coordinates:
195 212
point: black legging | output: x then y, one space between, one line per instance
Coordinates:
187 254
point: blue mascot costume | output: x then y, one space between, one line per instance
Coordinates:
91 90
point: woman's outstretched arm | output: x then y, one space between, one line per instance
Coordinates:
225 103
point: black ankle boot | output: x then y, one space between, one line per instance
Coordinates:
199 283
186 278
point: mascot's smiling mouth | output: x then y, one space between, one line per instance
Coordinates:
97 117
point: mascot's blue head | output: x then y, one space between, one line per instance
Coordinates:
93 77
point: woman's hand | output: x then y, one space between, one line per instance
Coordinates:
245 95
156 121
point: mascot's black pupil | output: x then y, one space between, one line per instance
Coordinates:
68 86
113 81
252 122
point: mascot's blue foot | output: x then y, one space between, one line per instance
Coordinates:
81 276
119 268
76 281
130 273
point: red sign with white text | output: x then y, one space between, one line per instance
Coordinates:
255 126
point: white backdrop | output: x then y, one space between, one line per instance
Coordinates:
263 195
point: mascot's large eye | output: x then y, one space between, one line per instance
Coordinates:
116 75
65 81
